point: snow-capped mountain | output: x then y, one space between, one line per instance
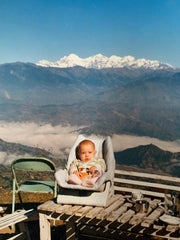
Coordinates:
99 61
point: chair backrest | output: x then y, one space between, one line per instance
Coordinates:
27 182
33 164
104 150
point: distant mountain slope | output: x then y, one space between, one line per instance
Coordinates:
20 149
150 157
28 83
105 101
156 91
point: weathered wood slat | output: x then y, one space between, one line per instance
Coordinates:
46 205
93 212
82 211
61 209
152 205
144 192
147 184
58 209
136 219
109 209
126 216
16 217
115 214
72 210
172 228
148 175
119 212
113 199
152 217
44 227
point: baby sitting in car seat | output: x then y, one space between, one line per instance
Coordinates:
86 169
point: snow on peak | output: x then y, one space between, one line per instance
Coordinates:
100 61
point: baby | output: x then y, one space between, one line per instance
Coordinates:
86 170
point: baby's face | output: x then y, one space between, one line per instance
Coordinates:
87 152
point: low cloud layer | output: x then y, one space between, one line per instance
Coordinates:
48 137
59 139
122 142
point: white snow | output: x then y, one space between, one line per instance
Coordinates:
99 62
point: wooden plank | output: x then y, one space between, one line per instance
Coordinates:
116 214
144 192
14 218
152 217
60 209
147 184
93 212
136 219
148 175
152 205
97 210
113 199
46 205
83 211
44 224
107 211
56 207
72 210
172 228
126 216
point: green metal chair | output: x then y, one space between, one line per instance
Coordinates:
32 164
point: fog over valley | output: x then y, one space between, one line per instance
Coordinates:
59 139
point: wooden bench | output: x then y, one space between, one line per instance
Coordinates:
120 218
17 217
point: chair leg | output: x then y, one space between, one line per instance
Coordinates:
13 198
55 190
20 199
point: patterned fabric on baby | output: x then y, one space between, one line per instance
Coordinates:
84 167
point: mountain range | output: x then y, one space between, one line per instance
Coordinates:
150 158
99 62
140 101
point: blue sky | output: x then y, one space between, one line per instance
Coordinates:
32 30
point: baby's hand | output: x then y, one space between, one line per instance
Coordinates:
93 171
77 173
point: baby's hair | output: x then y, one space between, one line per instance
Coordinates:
84 142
